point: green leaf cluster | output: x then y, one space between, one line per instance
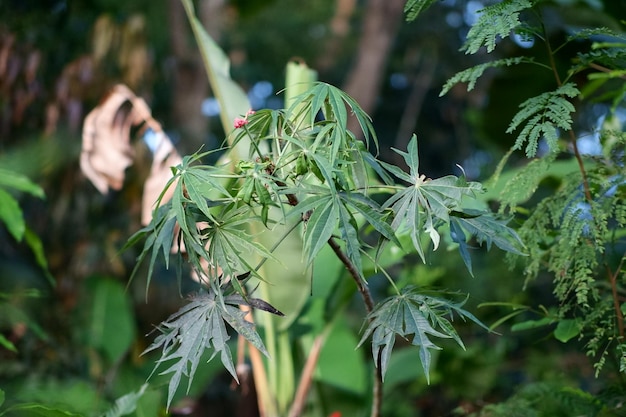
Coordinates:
543 116
307 172
415 317
495 21
200 326
573 229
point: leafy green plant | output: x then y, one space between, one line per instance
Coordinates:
299 172
574 230
11 214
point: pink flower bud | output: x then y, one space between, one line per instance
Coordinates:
239 122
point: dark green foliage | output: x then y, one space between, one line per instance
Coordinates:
574 229
549 400
200 326
413 316
542 116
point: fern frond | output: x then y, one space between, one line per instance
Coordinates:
413 8
543 115
471 75
495 21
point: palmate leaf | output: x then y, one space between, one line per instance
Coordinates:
543 115
494 22
486 229
414 317
231 247
200 326
471 75
332 102
425 202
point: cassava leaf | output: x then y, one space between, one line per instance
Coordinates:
200 326
371 212
320 226
415 317
489 230
425 202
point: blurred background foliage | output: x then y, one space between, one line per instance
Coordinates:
82 337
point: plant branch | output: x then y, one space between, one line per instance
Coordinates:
572 135
354 273
377 391
616 302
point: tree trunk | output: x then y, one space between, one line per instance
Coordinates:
190 82
380 25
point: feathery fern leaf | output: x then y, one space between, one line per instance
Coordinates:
413 8
543 115
471 75
495 21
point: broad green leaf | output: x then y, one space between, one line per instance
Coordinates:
338 364
50 397
233 100
11 215
34 243
37 410
17 181
532 324
111 325
8 345
567 329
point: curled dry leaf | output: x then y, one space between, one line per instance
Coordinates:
107 151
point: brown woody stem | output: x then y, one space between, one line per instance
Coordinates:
377 391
